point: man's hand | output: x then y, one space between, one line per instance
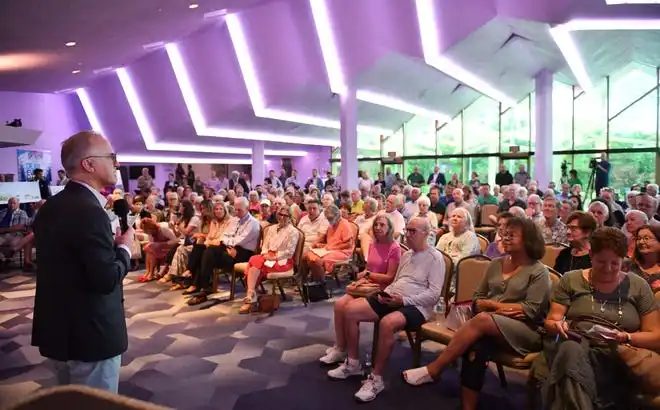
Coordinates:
232 252
513 314
393 301
126 238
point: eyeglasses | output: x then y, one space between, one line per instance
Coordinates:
646 239
283 215
111 156
412 231
573 227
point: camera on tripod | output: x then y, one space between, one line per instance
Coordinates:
593 163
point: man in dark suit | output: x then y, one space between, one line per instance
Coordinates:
79 320
437 178
236 179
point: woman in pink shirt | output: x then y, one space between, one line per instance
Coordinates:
382 264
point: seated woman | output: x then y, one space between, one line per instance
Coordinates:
602 213
584 375
254 206
217 227
646 262
178 268
566 209
277 251
336 246
384 255
496 248
509 306
634 220
161 241
460 241
424 204
579 226
184 227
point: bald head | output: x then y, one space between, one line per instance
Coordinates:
88 156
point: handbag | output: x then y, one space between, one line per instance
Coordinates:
268 303
362 290
459 313
314 292
643 363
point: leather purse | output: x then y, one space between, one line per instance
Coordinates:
362 290
314 292
268 303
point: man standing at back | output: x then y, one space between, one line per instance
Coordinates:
79 321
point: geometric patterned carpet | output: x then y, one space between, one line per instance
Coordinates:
186 358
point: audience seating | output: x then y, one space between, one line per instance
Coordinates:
277 277
551 253
340 265
238 270
483 243
486 227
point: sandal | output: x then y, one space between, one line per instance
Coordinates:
248 308
190 291
418 376
145 278
197 300
164 279
177 286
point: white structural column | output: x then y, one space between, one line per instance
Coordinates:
349 144
543 116
258 172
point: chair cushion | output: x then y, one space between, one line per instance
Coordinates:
436 332
515 361
280 275
240 267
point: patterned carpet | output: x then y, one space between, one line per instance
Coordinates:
187 358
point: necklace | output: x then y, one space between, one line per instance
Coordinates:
603 304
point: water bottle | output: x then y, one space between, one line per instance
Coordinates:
366 367
440 311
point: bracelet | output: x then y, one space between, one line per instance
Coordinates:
628 338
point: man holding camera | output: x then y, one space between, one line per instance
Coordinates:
602 173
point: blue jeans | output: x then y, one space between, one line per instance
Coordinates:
102 375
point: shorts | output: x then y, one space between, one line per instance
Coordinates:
414 318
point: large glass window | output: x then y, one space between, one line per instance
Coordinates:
591 118
557 161
425 167
368 145
449 136
636 126
481 122
451 166
392 143
631 168
419 136
336 153
629 83
371 167
562 116
581 165
485 167
516 127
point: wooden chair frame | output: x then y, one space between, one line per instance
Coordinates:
337 268
297 257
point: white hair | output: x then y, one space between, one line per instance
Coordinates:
280 201
469 224
415 189
241 201
517 211
606 210
639 213
372 203
253 193
534 196
235 174
424 200
218 198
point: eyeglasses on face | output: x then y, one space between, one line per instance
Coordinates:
112 156
646 239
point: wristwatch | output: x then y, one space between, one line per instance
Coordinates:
628 338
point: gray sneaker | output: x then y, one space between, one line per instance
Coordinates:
344 371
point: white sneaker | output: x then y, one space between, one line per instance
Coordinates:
333 355
370 389
346 370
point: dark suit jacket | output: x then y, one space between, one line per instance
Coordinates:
240 181
78 308
440 180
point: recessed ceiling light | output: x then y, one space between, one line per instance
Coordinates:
75 71
70 44
193 6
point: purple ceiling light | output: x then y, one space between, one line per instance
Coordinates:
201 126
336 78
562 37
429 33
254 88
150 140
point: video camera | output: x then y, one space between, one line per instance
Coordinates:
593 163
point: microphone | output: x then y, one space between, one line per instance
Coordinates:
120 208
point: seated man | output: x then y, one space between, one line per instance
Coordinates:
336 246
405 304
313 225
13 228
239 242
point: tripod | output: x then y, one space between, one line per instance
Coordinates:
590 186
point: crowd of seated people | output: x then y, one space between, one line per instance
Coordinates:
190 231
